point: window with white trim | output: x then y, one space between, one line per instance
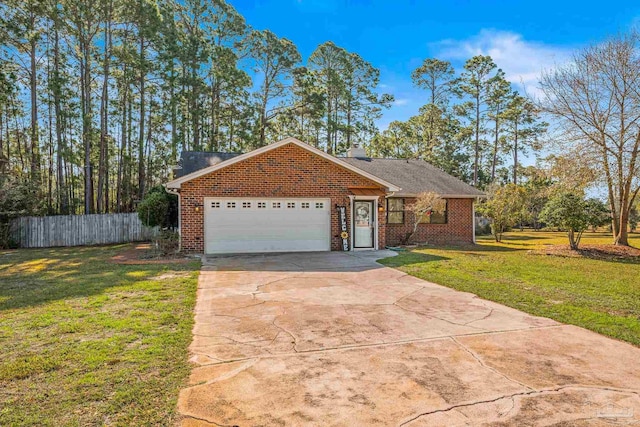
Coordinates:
231 205
291 205
246 204
262 205
275 205
319 205
395 211
215 205
436 217
304 205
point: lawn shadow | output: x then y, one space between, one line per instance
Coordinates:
479 247
516 235
406 258
623 255
32 277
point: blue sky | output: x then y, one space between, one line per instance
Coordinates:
395 35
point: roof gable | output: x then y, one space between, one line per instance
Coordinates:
176 183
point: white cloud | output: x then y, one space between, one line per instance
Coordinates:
520 59
401 101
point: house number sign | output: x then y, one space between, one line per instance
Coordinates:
342 212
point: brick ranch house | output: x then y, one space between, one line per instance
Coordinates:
290 196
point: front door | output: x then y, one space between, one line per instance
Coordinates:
364 224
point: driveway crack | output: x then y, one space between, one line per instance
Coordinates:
259 291
293 337
422 313
409 294
208 421
514 395
482 318
481 362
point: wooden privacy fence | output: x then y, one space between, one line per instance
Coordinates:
79 230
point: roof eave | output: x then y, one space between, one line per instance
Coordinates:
444 196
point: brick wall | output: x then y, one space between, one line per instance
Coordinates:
457 230
287 171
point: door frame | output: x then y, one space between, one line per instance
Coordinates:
374 200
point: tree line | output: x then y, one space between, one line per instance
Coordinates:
99 97
475 125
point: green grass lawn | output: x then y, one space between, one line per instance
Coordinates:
87 342
600 295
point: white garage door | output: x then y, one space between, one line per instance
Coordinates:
237 225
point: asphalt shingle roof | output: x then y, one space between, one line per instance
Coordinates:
191 161
411 175
414 176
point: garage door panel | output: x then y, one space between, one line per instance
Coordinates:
239 220
266 225
269 235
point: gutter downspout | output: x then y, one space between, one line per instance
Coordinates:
473 219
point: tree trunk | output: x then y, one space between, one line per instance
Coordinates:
63 199
263 122
129 157
85 73
174 115
572 240
477 143
515 154
214 144
33 87
495 151
123 143
621 238
141 163
50 209
349 124
3 162
329 127
104 119
195 113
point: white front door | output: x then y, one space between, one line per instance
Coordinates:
243 225
364 224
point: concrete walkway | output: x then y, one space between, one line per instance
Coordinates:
335 339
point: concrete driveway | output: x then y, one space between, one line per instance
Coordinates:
337 339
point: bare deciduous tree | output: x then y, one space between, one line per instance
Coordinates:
424 204
596 99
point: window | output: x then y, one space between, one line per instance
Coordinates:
291 205
395 211
436 217
215 205
304 205
231 205
319 205
246 204
275 205
262 205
